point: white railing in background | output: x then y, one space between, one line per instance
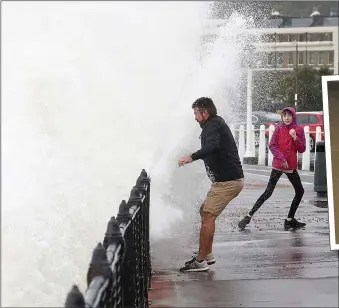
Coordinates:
262 147
306 156
318 134
270 134
262 151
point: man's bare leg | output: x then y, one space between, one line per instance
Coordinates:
209 249
206 235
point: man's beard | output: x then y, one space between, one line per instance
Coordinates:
201 123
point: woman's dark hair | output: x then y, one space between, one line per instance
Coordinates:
205 103
286 111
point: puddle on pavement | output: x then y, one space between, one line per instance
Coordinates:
318 203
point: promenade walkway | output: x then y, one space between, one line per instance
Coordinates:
262 266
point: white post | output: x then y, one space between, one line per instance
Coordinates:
270 155
317 139
262 146
241 142
306 156
317 134
249 140
232 128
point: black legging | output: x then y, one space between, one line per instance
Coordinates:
274 178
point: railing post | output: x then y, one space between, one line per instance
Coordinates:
143 184
98 268
124 217
144 179
119 274
113 236
306 156
317 135
135 201
270 155
99 265
262 146
75 299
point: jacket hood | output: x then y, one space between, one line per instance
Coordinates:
294 117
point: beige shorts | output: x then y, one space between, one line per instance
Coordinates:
220 195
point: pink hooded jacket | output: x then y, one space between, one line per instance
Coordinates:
282 145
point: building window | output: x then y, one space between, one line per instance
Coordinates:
301 56
327 36
293 37
269 38
320 37
331 57
283 38
274 37
290 58
271 58
302 37
280 58
315 37
321 58
265 38
312 58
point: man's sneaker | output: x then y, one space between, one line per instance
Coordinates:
244 222
195 266
294 224
210 258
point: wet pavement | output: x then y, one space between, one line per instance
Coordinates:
264 265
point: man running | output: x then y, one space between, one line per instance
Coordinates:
220 155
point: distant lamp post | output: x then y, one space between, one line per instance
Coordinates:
249 155
296 101
296 74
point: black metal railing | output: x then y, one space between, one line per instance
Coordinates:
119 273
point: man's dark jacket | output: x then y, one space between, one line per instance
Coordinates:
219 151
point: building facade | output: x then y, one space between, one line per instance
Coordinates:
308 41
287 42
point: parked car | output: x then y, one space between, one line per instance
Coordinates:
312 119
258 118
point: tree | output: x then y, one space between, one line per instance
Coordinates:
306 81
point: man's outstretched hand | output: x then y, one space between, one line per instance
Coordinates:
185 160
